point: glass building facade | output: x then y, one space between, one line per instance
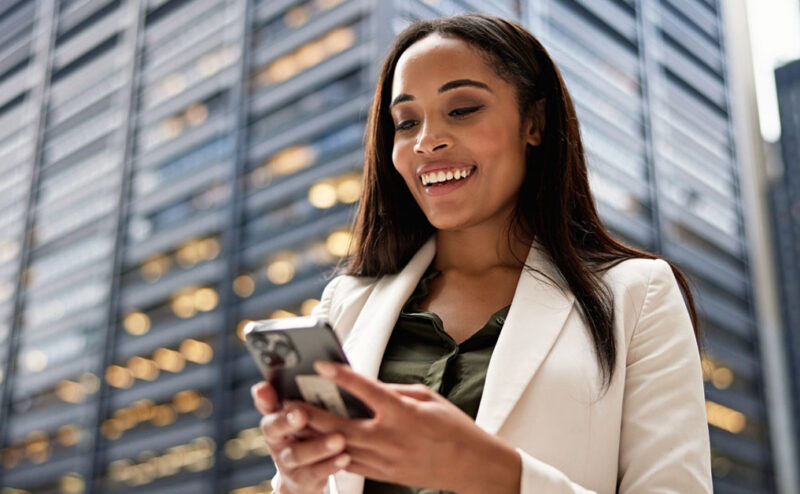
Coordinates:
785 198
170 169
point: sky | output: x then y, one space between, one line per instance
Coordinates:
775 40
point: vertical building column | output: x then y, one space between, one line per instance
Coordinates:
127 98
39 68
232 240
754 191
647 20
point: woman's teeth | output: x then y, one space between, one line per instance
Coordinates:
444 176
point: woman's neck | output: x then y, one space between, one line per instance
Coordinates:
478 249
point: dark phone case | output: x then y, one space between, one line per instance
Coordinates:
288 347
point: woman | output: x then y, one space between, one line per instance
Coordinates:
517 346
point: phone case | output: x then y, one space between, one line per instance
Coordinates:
285 351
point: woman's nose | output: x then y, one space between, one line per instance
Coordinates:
431 139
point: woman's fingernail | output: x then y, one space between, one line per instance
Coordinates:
334 443
342 461
325 369
294 417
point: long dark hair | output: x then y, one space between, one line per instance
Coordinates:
555 204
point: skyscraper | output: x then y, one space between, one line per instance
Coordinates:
785 195
172 169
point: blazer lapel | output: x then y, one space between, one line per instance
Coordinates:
534 321
367 340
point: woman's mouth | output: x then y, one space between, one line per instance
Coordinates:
441 182
440 177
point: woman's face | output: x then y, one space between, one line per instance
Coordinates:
458 141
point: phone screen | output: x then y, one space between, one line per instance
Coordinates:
285 351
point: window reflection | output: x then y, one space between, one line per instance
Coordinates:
189 75
309 55
314 103
169 47
194 456
75 256
190 161
41 310
292 18
141 227
146 414
174 125
185 303
50 353
297 157
49 228
281 267
39 446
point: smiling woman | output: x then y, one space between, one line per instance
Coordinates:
504 340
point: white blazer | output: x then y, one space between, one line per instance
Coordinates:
647 434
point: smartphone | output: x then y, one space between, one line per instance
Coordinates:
285 351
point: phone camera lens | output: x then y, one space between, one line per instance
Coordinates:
282 349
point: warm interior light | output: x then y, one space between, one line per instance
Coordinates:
196 351
339 243
70 391
119 377
163 415
281 267
208 248
725 418
143 368
348 190
72 483
90 383
169 360
244 285
136 323
240 328
280 314
37 447
171 127
291 160
187 401
68 435
183 305
296 16
722 378
308 305
155 267
196 114
111 430
322 195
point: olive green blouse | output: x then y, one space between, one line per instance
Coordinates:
420 351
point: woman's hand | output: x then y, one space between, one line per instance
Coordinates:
304 465
416 437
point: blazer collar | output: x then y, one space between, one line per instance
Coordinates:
538 311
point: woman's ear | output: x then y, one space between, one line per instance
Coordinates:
536 122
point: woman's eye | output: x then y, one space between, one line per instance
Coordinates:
460 112
404 125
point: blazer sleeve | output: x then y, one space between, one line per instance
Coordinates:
322 310
664 440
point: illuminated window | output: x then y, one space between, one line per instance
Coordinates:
725 418
307 56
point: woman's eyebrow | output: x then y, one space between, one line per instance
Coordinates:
400 98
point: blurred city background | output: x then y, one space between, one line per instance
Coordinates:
170 169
